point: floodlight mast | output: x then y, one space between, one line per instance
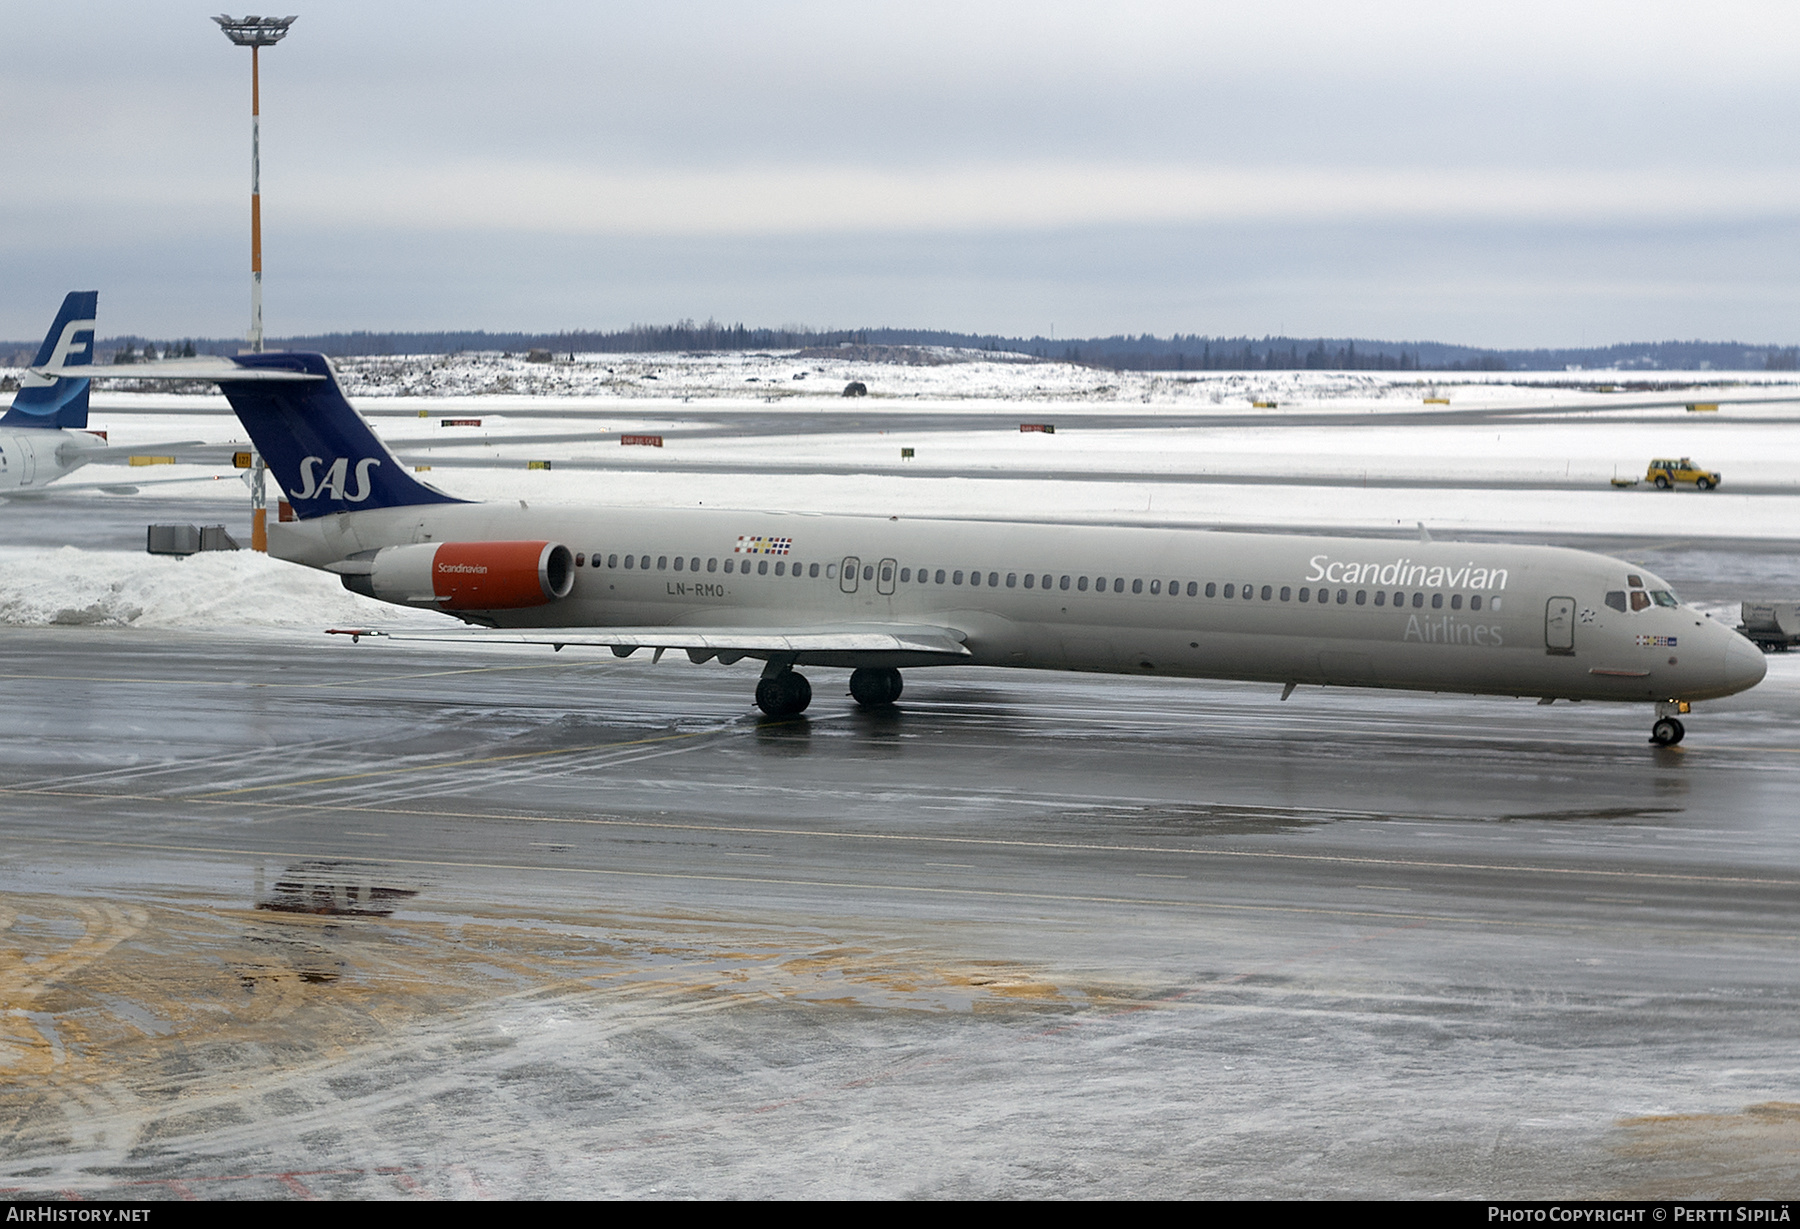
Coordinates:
256 33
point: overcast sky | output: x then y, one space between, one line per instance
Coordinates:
1508 174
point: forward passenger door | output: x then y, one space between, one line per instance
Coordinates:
1559 625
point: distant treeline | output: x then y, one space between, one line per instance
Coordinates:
1181 352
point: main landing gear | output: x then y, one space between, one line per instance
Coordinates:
783 693
1668 729
875 687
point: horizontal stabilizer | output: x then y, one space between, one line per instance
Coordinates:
206 367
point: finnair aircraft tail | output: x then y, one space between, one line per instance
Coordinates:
61 401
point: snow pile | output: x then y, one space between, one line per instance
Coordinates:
74 587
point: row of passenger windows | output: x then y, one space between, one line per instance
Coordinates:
1033 580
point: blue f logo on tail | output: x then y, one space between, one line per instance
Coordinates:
60 402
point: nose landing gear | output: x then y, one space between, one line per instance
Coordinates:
1668 729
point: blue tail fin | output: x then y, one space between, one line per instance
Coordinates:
62 402
319 448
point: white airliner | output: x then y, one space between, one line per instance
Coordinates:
44 435
876 595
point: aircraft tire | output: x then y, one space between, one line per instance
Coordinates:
785 695
875 687
1667 732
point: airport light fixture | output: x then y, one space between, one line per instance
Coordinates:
256 33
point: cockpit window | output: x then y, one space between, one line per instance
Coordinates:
1636 582
1640 600
1662 597
1616 599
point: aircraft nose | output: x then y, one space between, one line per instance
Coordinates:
1744 663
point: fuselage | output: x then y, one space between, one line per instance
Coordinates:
1431 616
34 457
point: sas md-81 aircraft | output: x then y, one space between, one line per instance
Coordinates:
878 595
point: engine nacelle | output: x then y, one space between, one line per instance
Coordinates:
469 575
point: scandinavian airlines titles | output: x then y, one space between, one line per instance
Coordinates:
1405 572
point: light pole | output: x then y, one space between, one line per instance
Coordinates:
256 33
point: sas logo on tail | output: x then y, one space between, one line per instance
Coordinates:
331 486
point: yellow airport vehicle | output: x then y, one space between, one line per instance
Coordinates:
1666 474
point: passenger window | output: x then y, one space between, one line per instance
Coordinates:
1437 601
1012 580
1246 593
1286 593
1381 597
712 565
582 559
644 562
1191 585
1212 590
1155 588
1640 600
940 576
1475 602
780 567
993 579
694 564
1362 597
680 563
868 571
956 578
1267 593
906 575
812 571
1343 596
831 571
1456 601
975 578
1305 595
1081 583
1230 590
1418 600
662 563
762 567
1118 584
1029 578
630 560
612 561
1046 581
1063 583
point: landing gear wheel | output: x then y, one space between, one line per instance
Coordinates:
785 695
875 687
1667 732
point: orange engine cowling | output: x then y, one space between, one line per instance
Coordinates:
472 575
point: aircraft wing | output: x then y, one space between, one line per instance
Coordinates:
860 644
